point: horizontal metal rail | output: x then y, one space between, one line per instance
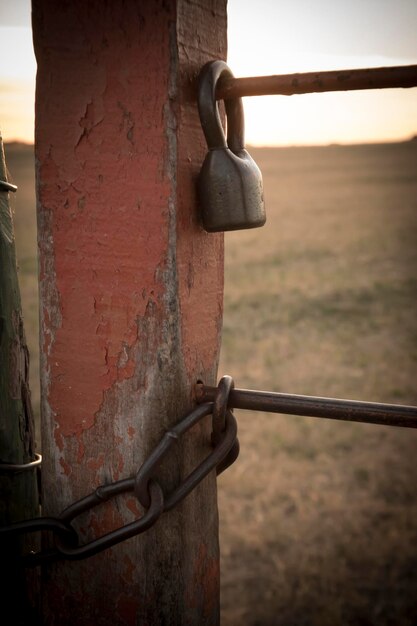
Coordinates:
317 82
348 410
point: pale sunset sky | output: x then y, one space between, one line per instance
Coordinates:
270 37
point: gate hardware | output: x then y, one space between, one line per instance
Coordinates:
21 467
5 186
220 400
318 82
57 526
230 183
219 415
348 410
102 494
220 452
145 485
231 195
215 401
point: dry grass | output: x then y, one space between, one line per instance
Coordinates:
318 518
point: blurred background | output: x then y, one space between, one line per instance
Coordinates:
318 518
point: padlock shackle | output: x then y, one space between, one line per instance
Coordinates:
209 77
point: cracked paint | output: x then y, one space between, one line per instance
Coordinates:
131 291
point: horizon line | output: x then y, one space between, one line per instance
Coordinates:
410 138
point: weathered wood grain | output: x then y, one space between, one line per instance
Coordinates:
18 491
131 295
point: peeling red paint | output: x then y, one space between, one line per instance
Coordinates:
100 300
65 466
58 440
129 568
132 505
126 608
96 463
131 287
105 520
80 452
200 263
200 328
119 467
206 575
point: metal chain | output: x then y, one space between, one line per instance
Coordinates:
224 388
144 485
220 410
218 402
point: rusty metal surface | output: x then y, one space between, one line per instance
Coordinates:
333 408
150 517
220 403
317 82
225 449
219 457
219 417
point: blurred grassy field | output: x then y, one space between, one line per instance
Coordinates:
318 518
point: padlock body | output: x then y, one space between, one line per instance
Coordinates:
230 191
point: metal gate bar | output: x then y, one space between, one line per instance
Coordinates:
317 82
333 408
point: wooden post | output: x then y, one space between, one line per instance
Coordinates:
131 295
18 490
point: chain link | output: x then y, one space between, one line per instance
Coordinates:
144 485
224 388
225 450
150 517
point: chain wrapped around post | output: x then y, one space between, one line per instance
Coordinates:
214 401
404 416
225 449
219 417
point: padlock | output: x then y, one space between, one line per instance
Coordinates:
230 184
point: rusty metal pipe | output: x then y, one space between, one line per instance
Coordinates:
316 82
348 410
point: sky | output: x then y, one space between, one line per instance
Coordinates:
271 37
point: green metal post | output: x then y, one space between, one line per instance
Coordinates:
18 489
